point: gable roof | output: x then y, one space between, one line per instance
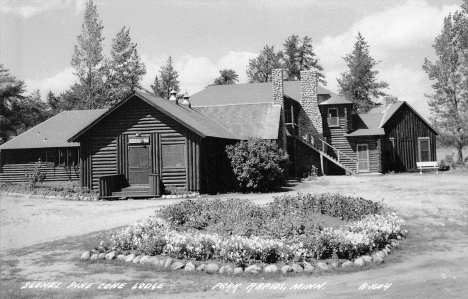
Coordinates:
55 131
191 118
366 125
246 120
247 93
390 110
336 99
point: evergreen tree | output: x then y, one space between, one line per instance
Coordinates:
449 102
11 94
87 58
359 84
168 80
124 70
53 102
260 68
226 77
156 87
299 55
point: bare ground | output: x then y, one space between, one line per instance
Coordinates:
432 262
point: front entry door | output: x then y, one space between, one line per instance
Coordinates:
363 158
138 164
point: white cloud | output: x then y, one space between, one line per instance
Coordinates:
195 73
390 33
57 83
29 8
405 26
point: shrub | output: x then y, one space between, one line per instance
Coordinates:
443 166
36 176
258 164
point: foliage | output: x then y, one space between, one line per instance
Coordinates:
69 193
168 81
449 102
258 164
37 176
18 112
124 70
311 175
299 55
443 166
359 85
154 236
227 76
260 68
87 59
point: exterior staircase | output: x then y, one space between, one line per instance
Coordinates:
323 148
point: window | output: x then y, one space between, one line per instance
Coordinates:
173 155
333 120
424 149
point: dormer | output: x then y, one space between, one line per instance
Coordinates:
337 113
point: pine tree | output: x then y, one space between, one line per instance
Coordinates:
124 70
87 58
226 77
359 84
299 55
261 67
53 102
11 94
449 102
156 87
168 80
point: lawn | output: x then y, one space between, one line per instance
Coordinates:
46 237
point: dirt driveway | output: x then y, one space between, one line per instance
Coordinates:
432 262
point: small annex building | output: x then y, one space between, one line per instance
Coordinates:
145 143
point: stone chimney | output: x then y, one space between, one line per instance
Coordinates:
310 119
278 90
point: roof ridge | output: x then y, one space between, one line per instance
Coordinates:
238 104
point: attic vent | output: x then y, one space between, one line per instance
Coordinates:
173 97
186 101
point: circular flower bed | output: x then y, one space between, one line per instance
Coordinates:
243 234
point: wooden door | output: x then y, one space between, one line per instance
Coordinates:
138 164
363 158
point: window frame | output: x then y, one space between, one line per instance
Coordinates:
420 139
173 165
337 117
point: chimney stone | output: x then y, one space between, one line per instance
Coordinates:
310 119
278 90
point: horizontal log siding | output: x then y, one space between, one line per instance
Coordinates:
335 135
16 172
374 151
138 116
405 127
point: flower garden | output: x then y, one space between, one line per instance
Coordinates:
240 233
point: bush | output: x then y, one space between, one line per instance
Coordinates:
36 176
443 166
258 164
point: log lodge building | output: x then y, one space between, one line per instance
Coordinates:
145 143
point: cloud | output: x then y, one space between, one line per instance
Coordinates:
57 83
406 26
29 8
195 73
393 36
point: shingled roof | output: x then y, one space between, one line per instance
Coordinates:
366 125
246 120
247 93
191 118
55 131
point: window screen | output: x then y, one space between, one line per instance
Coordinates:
333 117
173 155
424 150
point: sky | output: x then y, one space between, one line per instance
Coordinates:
37 37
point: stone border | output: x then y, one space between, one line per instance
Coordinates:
66 197
167 263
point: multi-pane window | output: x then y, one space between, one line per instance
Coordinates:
333 119
173 155
424 149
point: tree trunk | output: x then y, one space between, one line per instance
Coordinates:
460 153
